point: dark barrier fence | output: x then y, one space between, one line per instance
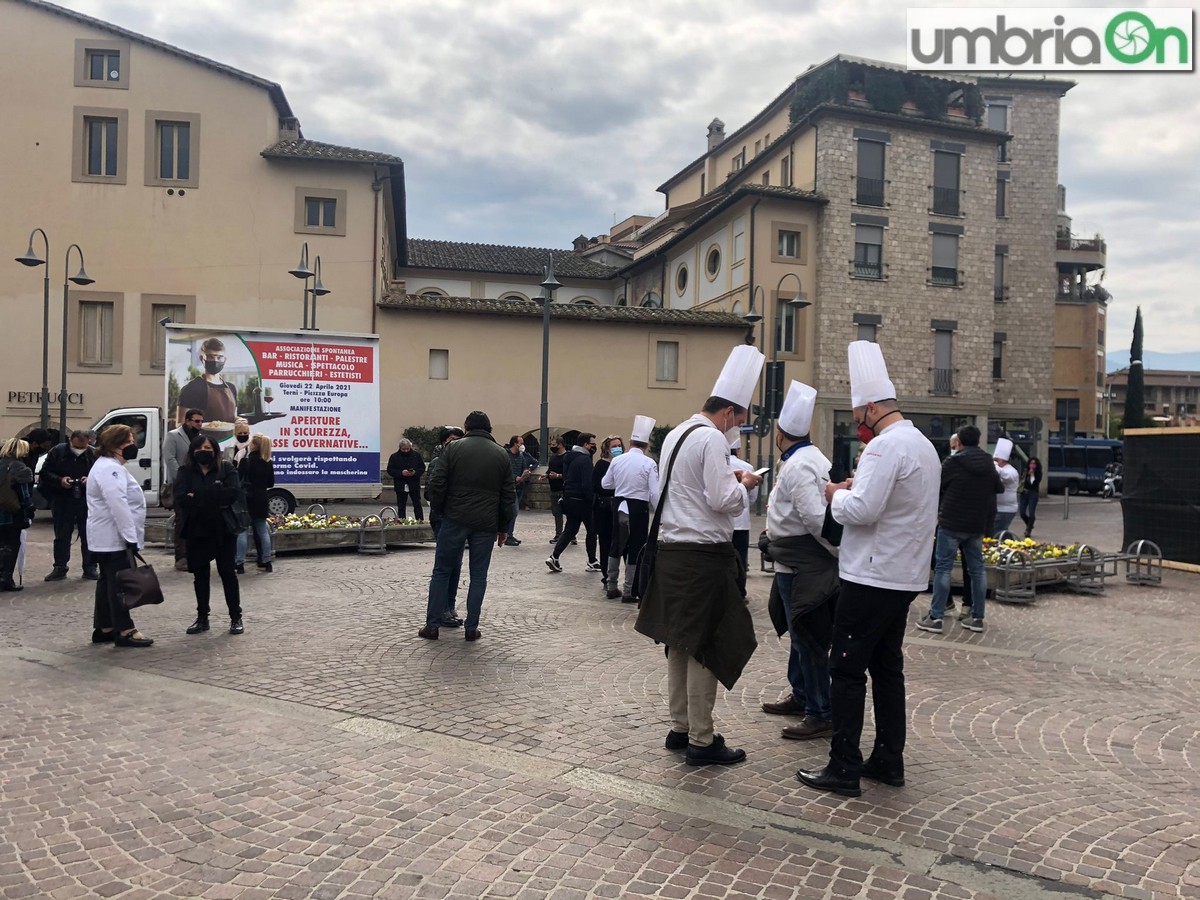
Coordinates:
1161 493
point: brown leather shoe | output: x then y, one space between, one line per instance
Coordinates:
785 707
811 727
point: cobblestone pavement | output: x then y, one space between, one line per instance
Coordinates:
329 752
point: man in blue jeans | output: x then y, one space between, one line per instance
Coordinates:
806 567
472 491
967 498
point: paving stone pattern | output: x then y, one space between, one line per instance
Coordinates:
329 752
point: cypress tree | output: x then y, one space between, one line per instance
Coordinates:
1135 393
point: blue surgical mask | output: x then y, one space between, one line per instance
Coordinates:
615 452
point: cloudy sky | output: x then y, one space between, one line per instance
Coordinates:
532 121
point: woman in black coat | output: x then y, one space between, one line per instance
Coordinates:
206 489
258 477
1027 497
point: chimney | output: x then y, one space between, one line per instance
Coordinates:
580 243
716 133
289 128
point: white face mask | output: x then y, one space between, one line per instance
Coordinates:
733 434
77 451
521 448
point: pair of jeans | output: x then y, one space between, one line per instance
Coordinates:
579 512
70 515
1003 521
447 560
407 488
262 542
109 612
808 672
435 526
946 547
1027 503
512 523
868 634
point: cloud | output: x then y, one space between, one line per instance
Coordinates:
531 121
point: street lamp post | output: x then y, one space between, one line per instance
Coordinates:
303 272
753 318
81 279
797 302
32 259
549 285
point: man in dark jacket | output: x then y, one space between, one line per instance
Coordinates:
64 484
472 491
578 491
406 468
522 470
970 484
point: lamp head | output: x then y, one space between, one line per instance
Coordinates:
751 318
550 283
81 278
30 258
302 270
318 289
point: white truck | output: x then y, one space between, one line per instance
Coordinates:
315 394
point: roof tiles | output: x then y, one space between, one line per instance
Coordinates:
464 257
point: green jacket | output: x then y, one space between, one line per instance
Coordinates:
694 605
472 485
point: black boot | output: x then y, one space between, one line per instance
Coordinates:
8 564
201 624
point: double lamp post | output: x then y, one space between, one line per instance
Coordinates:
30 258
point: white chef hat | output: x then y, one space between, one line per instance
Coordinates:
642 426
796 416
1003 449
739 378
735 443
869 382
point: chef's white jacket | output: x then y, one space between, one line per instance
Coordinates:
703 497
890 512
797 503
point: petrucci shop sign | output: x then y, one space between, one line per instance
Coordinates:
33 398
1085 39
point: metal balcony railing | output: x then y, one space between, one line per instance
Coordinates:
868 269
1095 245
945 201
943 275
869 191
943 382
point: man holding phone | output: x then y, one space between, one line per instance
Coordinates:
806 568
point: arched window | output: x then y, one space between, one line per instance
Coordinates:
515 297
737 307
621 300
652 301
433 292
583 301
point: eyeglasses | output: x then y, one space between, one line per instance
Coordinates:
195 421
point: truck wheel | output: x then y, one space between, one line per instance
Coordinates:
280 502
1073 488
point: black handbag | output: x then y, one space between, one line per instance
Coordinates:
138 585
644 567
831 528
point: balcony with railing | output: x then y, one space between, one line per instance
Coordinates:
943 382
943 275
868 191
864 269
945 201
1088 254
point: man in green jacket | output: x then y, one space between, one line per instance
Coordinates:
472 491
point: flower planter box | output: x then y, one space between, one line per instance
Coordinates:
305 540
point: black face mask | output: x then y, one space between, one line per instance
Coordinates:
203 457
213 366
130 452
591 451
241 438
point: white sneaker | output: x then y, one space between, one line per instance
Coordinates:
553 564
593 567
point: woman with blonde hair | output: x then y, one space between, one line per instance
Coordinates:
16 507
258 477
116 530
